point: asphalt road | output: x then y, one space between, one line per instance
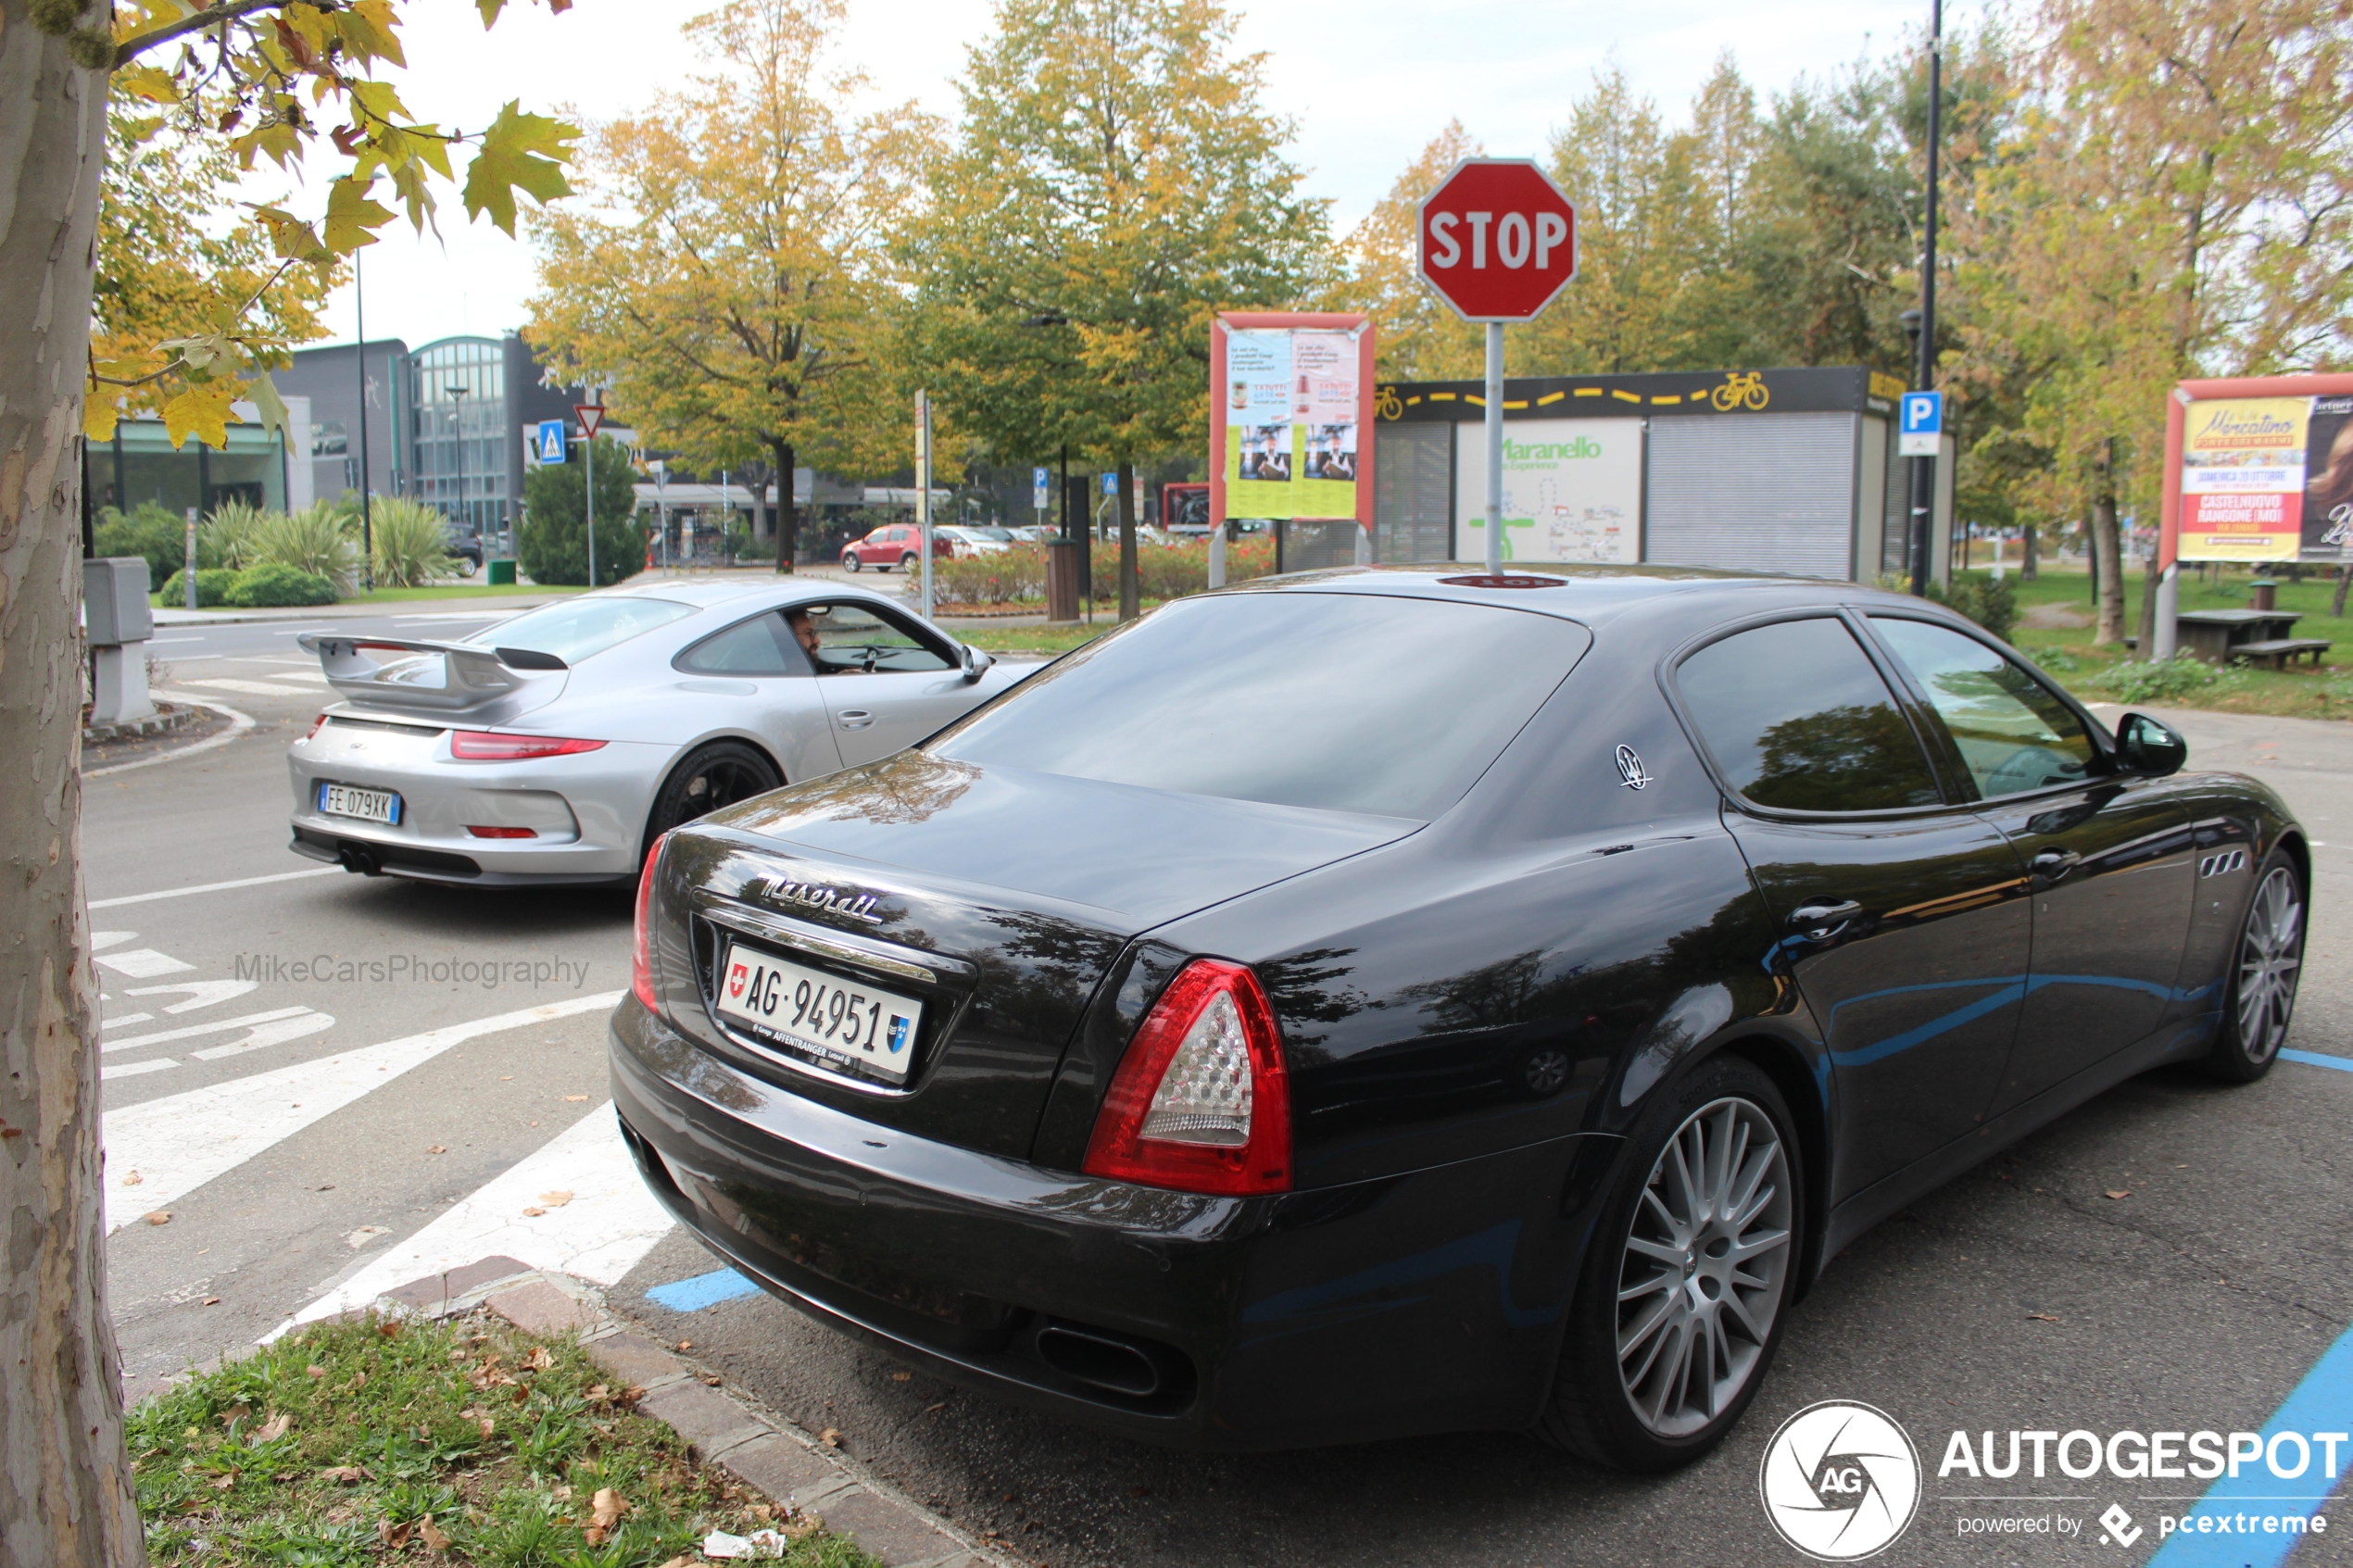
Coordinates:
333 1129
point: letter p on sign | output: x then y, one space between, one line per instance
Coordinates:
1498 240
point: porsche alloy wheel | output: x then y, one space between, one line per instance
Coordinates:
1704 1268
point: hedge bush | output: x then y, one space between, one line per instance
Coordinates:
1163 572
272 583
212 587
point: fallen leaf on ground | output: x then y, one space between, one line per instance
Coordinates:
365 1234
431 1533
235 1414
521 1393
558 1198
710 1379
900 1377
314 1370
346 1474
2040 1317
539 1360
393 1536
160 1217
596 1393
437 1149
609 1508
685 1344
2119 1192
533 1212
274 1428
574 1099
358 1381
830 1437
223 1483
680 1563
212 1301
389 1328
133 1180
488 1426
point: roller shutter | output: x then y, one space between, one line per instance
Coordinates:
1758 493
1412 493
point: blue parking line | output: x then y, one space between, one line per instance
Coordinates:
2314 1058
2323 1402
703 1290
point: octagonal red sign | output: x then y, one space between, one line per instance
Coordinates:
1498 239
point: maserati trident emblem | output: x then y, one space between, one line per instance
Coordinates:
1631 771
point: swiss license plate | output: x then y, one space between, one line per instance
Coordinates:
839 1022
368 805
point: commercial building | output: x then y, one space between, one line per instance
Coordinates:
141 466
1784 470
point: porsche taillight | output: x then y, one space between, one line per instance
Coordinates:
490 746
1200 1103
641 960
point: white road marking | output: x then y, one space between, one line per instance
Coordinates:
303 677
132 1070
278 1034
599 1234
128 1018
251 688
238 724
192 1030
205 887
180 1142
142 964
201 993
101 940
175 639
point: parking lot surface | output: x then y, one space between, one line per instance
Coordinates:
2173 1256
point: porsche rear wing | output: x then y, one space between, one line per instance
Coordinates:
419 673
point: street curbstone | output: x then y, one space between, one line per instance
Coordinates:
540 1307
888 1529
710 1422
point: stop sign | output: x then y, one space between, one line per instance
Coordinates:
1498 239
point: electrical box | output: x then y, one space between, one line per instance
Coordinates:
114 600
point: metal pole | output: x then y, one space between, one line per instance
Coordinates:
458 431
588 472
922 488
1495 448
1924 468
367 530
188 572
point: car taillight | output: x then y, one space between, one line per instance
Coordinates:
315 725
641 958
484 746
1200 1103
502 833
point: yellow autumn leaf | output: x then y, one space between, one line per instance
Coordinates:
99 416
351 214
520 151
201 410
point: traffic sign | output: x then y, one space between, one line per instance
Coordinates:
1040 489
1919 424
549 437
591 416
1498 240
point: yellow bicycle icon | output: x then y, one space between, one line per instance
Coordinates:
1741 388
1386 406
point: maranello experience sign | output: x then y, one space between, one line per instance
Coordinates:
1572 491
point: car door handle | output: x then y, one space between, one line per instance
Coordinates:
854 718
2053 865
1820 921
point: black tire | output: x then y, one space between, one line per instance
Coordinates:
1695 1303
907 561
2266 964
706 779
850 561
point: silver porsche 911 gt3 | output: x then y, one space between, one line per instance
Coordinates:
556 745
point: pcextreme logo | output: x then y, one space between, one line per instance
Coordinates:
1840 1481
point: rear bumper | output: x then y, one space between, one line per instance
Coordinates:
1424 1302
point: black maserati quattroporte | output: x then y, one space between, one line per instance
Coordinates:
1391 1001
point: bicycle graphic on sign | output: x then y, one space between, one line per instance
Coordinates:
1740 389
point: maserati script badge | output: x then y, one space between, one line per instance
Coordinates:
857 906
1629 768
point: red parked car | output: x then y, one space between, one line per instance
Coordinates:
896 543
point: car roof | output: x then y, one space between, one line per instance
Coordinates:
1588 594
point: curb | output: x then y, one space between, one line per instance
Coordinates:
757 1447
345 611
163 721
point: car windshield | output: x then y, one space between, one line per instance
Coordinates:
1354 702
579 628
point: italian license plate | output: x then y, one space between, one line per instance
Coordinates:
839 1022
368 805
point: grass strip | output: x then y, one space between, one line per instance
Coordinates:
386 1440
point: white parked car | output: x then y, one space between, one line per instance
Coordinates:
976 541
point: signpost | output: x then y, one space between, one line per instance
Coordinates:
549 437
1921 425
922 488
1040 489
592 415
1498 242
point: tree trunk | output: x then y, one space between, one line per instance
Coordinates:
66 1498
2344 580
1130 595
2148 606
2026 570
788 530
2106 559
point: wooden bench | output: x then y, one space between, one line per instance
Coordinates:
2282 651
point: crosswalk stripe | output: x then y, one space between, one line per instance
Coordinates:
256 688
598 1233
180 1142
158 1038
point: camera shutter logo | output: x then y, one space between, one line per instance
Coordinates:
1840 1481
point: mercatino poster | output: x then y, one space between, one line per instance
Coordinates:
1292 412
2243 478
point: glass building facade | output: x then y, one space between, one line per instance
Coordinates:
140 465
461 457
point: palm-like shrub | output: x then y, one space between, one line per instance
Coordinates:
319 541
410 543
226 539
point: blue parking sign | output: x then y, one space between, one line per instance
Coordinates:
1919 424
550 439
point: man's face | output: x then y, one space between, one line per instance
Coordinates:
804 630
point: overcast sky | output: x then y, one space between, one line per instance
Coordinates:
1368 83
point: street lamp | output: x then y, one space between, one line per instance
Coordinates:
1924 333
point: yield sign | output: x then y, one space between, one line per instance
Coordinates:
591 416
1498 240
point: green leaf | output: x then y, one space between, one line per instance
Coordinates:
520 151
273 408
351 213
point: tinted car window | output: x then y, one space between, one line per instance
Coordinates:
1797 719
763 645
852 637
574 630
1352 702
2012 733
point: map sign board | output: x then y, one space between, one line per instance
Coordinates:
1290 416
1572 491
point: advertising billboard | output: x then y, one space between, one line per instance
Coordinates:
1290 407
2261 469
1572 491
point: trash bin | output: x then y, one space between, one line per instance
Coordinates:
502 573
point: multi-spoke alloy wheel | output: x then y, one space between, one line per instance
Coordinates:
2270 953
1704 1268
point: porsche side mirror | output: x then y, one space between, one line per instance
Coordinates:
977 664
2146 746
